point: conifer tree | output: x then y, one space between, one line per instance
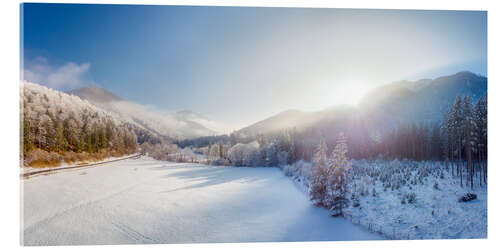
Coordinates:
318 189
337 174
27 138
456 119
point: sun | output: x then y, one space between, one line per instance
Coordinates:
351 92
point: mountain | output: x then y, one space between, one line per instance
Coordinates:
149 121
299 120
285 119
422 100
57 122
95 94
382 108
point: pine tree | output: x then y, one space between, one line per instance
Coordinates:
60 141
27 138
467 114
81 143
89 144
457 131
318 188
480 132
337 174
445 142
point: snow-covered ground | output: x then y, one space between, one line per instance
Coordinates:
149 201
435 213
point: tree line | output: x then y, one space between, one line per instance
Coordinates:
464 137
460 138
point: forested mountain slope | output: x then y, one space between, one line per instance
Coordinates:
384 107
164 125
423 100
58 126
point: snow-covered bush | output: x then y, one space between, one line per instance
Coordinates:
244 154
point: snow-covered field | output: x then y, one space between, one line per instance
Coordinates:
149 201
434 213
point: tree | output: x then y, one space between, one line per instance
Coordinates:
27 140
81 143
89 144
456 123
337 174
436 143
262 140
480 131
467 114
221 150
318 188
60 141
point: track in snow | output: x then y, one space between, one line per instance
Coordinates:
138 201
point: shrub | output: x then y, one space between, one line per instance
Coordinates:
467 197
42 158
70 157
411 198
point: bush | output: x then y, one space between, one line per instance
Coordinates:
467 197
411 198
42 158
221 162
70 157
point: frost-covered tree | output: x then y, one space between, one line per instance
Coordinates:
61 123
337 176
456 124
480 131
318 189
244 154
467 114
329 182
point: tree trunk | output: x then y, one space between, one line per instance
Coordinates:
452 160
480 170
485 168
468 149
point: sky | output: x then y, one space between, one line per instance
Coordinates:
239 65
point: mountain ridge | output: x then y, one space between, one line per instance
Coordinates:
400 101
169 125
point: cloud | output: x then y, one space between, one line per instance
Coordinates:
67 76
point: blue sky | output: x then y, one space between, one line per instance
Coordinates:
239 65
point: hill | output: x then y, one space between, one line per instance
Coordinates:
155 123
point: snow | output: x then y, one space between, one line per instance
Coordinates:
435 214
150 201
